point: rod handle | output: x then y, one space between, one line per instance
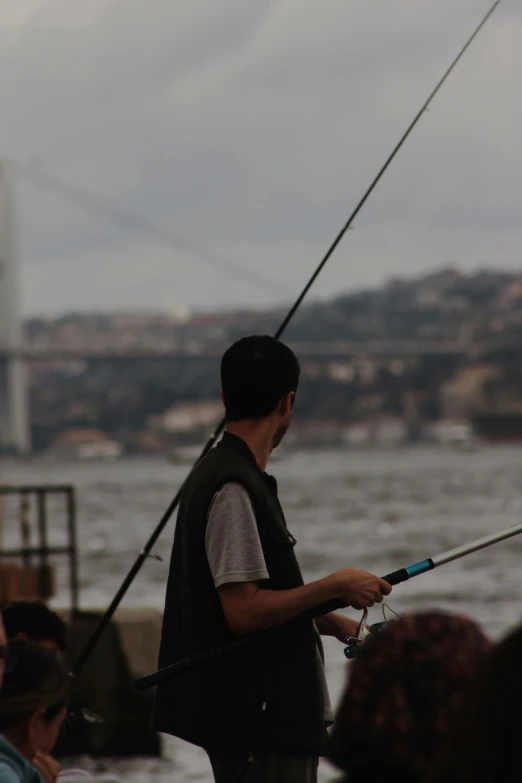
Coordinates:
396 577
403 574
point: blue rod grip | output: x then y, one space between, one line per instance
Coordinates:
403 574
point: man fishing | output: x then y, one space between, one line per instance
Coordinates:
261 711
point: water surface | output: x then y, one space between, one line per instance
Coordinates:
372 509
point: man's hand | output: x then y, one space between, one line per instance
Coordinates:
337 625
359 589
47 766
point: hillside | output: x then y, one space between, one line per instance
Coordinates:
478 316
445 306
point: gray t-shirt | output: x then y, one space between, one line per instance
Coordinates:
235 554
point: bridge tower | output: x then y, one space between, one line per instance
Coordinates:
14 405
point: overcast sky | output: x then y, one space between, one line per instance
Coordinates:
249 129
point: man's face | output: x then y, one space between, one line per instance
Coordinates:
287 407
281 431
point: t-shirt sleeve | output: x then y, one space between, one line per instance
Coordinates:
232 543
9 775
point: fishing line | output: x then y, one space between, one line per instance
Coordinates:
220 427
388 607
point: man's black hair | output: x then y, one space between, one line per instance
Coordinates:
36 620
256 372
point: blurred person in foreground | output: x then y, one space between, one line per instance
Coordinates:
260 712
485 746
406 687
34 621
32 708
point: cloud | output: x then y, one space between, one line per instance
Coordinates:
252 129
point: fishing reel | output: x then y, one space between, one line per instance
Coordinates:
79 719
364 631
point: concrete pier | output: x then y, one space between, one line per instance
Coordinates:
127 650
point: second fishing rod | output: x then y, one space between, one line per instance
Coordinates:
393 578
147 549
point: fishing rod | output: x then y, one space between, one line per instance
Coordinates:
394 578
146 551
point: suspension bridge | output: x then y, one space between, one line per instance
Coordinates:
15 354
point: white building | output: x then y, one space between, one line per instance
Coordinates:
189 417
448 432
387 431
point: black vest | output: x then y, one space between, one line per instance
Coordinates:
265 696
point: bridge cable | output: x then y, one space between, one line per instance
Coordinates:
139 224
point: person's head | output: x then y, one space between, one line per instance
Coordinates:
406 685
33 698
259 379
485 744
34 621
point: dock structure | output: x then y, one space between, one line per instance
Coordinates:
47 556
14 406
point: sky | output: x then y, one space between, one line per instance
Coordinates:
242 134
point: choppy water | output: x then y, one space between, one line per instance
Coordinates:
376 510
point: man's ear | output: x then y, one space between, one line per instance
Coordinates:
286 403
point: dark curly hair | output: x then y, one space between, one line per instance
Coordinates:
485 746
405 687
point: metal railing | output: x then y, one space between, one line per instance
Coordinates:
43 550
